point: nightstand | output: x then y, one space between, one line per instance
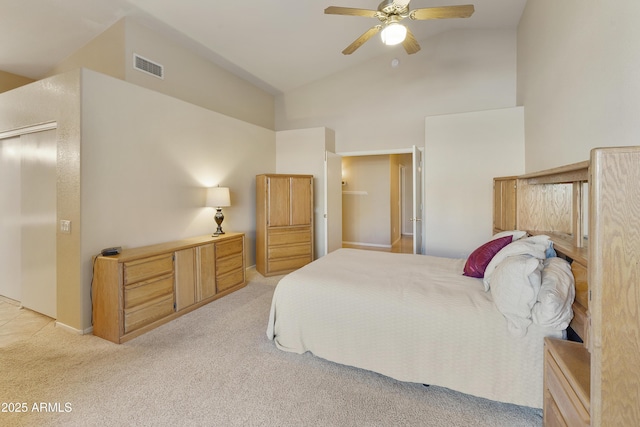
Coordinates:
567 383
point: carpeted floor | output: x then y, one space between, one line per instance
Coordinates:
216 367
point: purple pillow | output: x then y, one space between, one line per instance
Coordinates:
479 259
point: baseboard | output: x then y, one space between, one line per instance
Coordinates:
73 330
373 245
10 301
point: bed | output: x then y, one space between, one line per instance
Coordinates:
416 318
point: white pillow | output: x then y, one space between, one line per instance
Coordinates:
557 292
515 234
514 287
535 246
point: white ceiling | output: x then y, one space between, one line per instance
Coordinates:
277 44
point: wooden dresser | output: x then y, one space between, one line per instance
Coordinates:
145 287
591 211
284 223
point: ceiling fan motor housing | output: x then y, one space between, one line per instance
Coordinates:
390 13
389 9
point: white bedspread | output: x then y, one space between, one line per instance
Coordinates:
414 318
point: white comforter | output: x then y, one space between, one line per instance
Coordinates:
414 318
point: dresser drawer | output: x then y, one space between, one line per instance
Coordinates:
276 252
142 269
230 280
145 291
288 236
287 264
140 316
563 395
230 247
225 265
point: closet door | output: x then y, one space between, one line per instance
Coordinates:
38 215
10 229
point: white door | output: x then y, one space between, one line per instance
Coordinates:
10 230
417 200
32 208
38 176
332 202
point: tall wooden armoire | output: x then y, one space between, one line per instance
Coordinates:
284 223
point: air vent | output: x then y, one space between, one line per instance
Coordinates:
147 66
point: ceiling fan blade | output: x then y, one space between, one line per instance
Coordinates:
444 12
337 10
362 39
410 43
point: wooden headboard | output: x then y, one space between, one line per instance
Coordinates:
552 202
580 322
595 201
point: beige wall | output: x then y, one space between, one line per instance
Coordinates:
10 81
187 76
366 213
146 161
105 54
134 171
578 68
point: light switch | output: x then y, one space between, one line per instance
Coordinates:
65 226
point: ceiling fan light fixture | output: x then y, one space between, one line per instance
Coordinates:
393 34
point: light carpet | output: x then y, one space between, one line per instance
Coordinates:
216 367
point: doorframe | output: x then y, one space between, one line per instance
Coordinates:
402 185
28 129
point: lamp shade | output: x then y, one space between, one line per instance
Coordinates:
393 34
218 197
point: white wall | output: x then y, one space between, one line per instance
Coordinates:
578 78
463 153
302 151
147 159
376 107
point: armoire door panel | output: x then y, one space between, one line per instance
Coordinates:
279 201
301 205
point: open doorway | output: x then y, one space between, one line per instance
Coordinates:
377 202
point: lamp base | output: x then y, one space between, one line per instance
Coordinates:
219 218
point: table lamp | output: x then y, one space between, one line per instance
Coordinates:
218 197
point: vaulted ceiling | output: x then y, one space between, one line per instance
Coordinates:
278 45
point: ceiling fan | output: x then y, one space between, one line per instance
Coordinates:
390 13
